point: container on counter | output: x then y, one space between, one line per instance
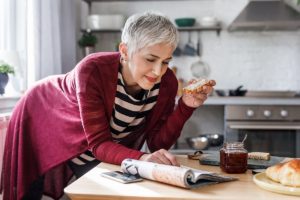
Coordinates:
98 22
234 158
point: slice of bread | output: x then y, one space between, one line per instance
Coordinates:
196 86
287 173
259 155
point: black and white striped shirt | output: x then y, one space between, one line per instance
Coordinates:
128 114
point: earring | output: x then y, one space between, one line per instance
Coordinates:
123 59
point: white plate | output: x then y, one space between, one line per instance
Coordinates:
264 182
208 21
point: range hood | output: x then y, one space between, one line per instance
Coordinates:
266 15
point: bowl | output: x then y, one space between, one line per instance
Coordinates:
238 93
95 22
208 21
220 93
198 142
185 22
215 139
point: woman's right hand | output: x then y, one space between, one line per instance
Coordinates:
161 156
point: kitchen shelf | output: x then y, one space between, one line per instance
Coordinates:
217 28
102 30
90 1
198 28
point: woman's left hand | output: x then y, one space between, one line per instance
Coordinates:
197 99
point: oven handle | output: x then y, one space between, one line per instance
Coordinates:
265 127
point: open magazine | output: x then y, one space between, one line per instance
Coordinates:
179 176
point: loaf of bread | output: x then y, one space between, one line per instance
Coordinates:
259 155
287 173
196 86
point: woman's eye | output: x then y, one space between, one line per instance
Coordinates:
165 63
150 60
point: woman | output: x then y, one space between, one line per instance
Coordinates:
107 106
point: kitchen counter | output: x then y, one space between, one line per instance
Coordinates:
93 186
214 100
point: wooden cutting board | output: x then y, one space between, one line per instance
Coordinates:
213 158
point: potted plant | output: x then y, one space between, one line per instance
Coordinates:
88 42
5 69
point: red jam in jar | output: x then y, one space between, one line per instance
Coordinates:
234 158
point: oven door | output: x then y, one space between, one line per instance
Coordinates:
278 138
263 125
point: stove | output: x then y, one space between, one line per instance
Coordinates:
270 128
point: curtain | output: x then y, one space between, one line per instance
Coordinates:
42 32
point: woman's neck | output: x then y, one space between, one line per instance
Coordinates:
131 87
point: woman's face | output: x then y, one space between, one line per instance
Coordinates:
146 66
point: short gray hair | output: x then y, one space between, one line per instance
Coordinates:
149 28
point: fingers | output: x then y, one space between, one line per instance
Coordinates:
201 96
161 156
171 158
192 81
151 158
206 89
212 82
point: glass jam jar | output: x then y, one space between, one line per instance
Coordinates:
234 158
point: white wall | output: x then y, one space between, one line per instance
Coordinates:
257 60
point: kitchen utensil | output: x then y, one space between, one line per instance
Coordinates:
238 91
222 93
198 142
196 155
189 48
200 69
199 46
215 139
177 52
185 22
244 138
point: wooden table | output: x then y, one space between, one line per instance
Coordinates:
92 186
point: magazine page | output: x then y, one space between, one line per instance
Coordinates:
180 176
158 172
200 175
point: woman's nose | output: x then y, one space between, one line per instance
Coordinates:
157 69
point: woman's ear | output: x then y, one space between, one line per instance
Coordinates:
123 50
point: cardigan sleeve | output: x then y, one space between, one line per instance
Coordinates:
169 126
95 119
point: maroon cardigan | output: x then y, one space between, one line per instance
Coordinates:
63 116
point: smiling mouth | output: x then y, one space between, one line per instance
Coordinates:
150 79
